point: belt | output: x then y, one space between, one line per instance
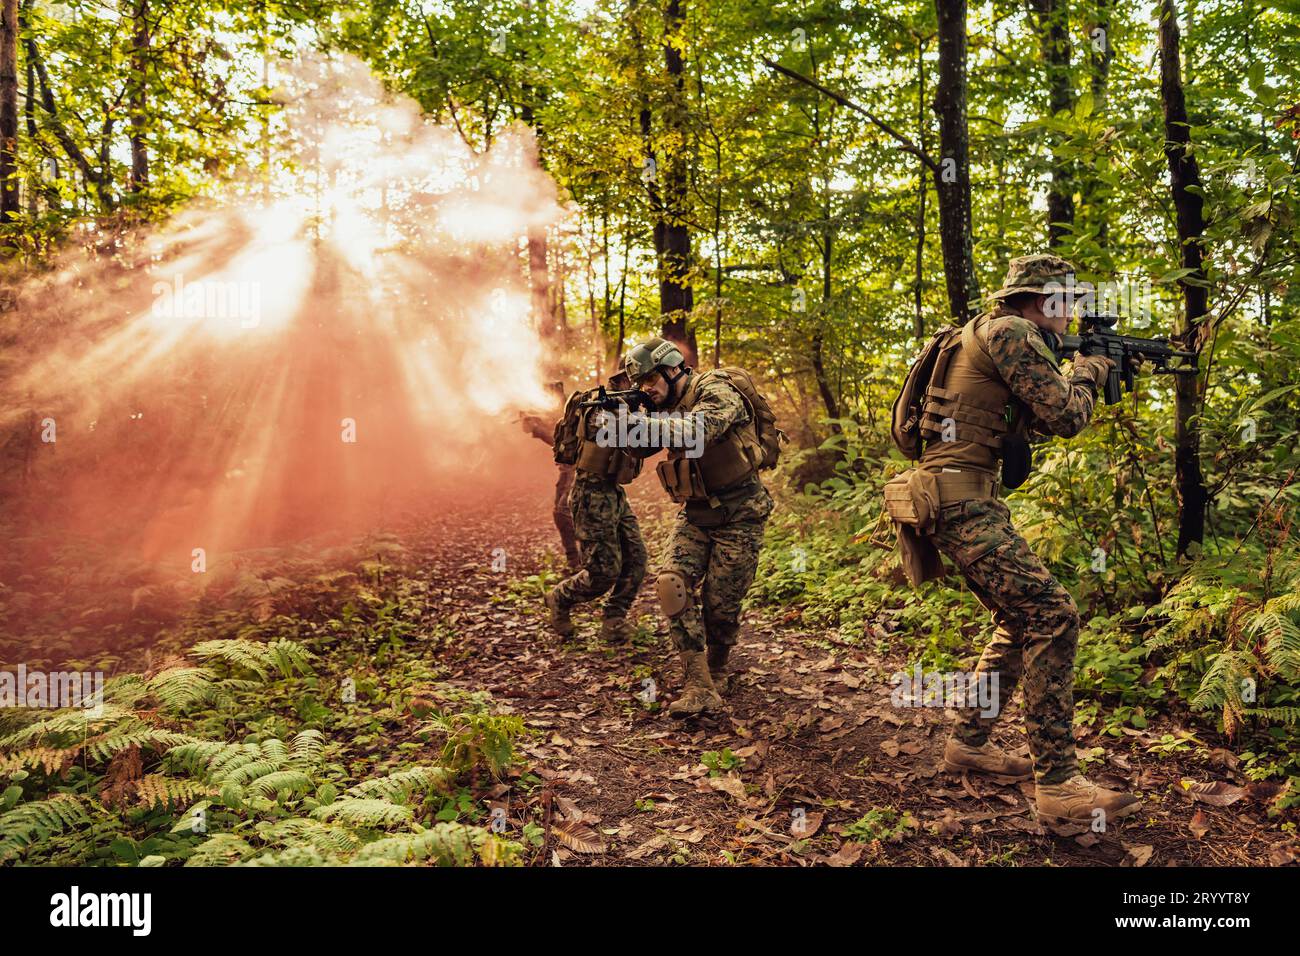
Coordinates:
957 486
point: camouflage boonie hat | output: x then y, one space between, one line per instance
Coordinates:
1035 273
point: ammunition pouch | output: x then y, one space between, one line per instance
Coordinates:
914 499
973 420
609 463
721 467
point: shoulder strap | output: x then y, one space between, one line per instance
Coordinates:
977 349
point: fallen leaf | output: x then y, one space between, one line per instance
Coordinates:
1138 855
848 854
1199 824
1216 793
578 837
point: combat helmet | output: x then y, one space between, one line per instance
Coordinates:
651 355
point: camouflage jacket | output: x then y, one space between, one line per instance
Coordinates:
1052 402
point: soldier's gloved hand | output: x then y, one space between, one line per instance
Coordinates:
1093 368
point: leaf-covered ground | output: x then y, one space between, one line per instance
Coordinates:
812 764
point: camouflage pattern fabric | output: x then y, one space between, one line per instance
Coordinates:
715 549
613 553
718 408
1052 402
1037 629
1037 273
1058 405
719 562
563 515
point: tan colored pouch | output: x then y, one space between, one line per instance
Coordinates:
912 498
681 479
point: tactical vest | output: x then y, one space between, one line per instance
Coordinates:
723 465
968 409
610 463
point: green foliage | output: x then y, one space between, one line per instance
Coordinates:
478 740
880 823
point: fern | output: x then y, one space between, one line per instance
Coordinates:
374 814
34 822
221 849
447 844
282 657
398 787
153 790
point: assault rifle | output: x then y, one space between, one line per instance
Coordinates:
633 398
1097 337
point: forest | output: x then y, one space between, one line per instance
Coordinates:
280 280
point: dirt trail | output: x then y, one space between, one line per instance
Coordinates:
815 744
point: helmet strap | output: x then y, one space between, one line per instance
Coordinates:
672 380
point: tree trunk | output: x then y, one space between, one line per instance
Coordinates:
138 99
818 339
952 182
539 279
9 200
1054 41
1185 184
676 297
918 318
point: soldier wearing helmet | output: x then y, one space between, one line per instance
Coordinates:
1001 382
612 552
717 536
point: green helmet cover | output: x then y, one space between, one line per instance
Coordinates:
651 355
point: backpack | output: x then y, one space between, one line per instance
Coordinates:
567 439
909 405
770 436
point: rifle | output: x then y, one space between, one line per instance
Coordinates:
1097 337
634 398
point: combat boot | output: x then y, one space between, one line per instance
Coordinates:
560 621
617 630
959 757
1077 800
718 654
699 696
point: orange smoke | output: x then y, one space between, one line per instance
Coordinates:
254 372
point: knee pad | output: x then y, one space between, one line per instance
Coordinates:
674 594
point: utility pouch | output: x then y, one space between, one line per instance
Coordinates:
681 479
1017 460
912 498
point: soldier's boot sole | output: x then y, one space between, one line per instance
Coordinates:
559 619
617 630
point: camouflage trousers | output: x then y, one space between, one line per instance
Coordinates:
720 562
1036 632
609 539
564 517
